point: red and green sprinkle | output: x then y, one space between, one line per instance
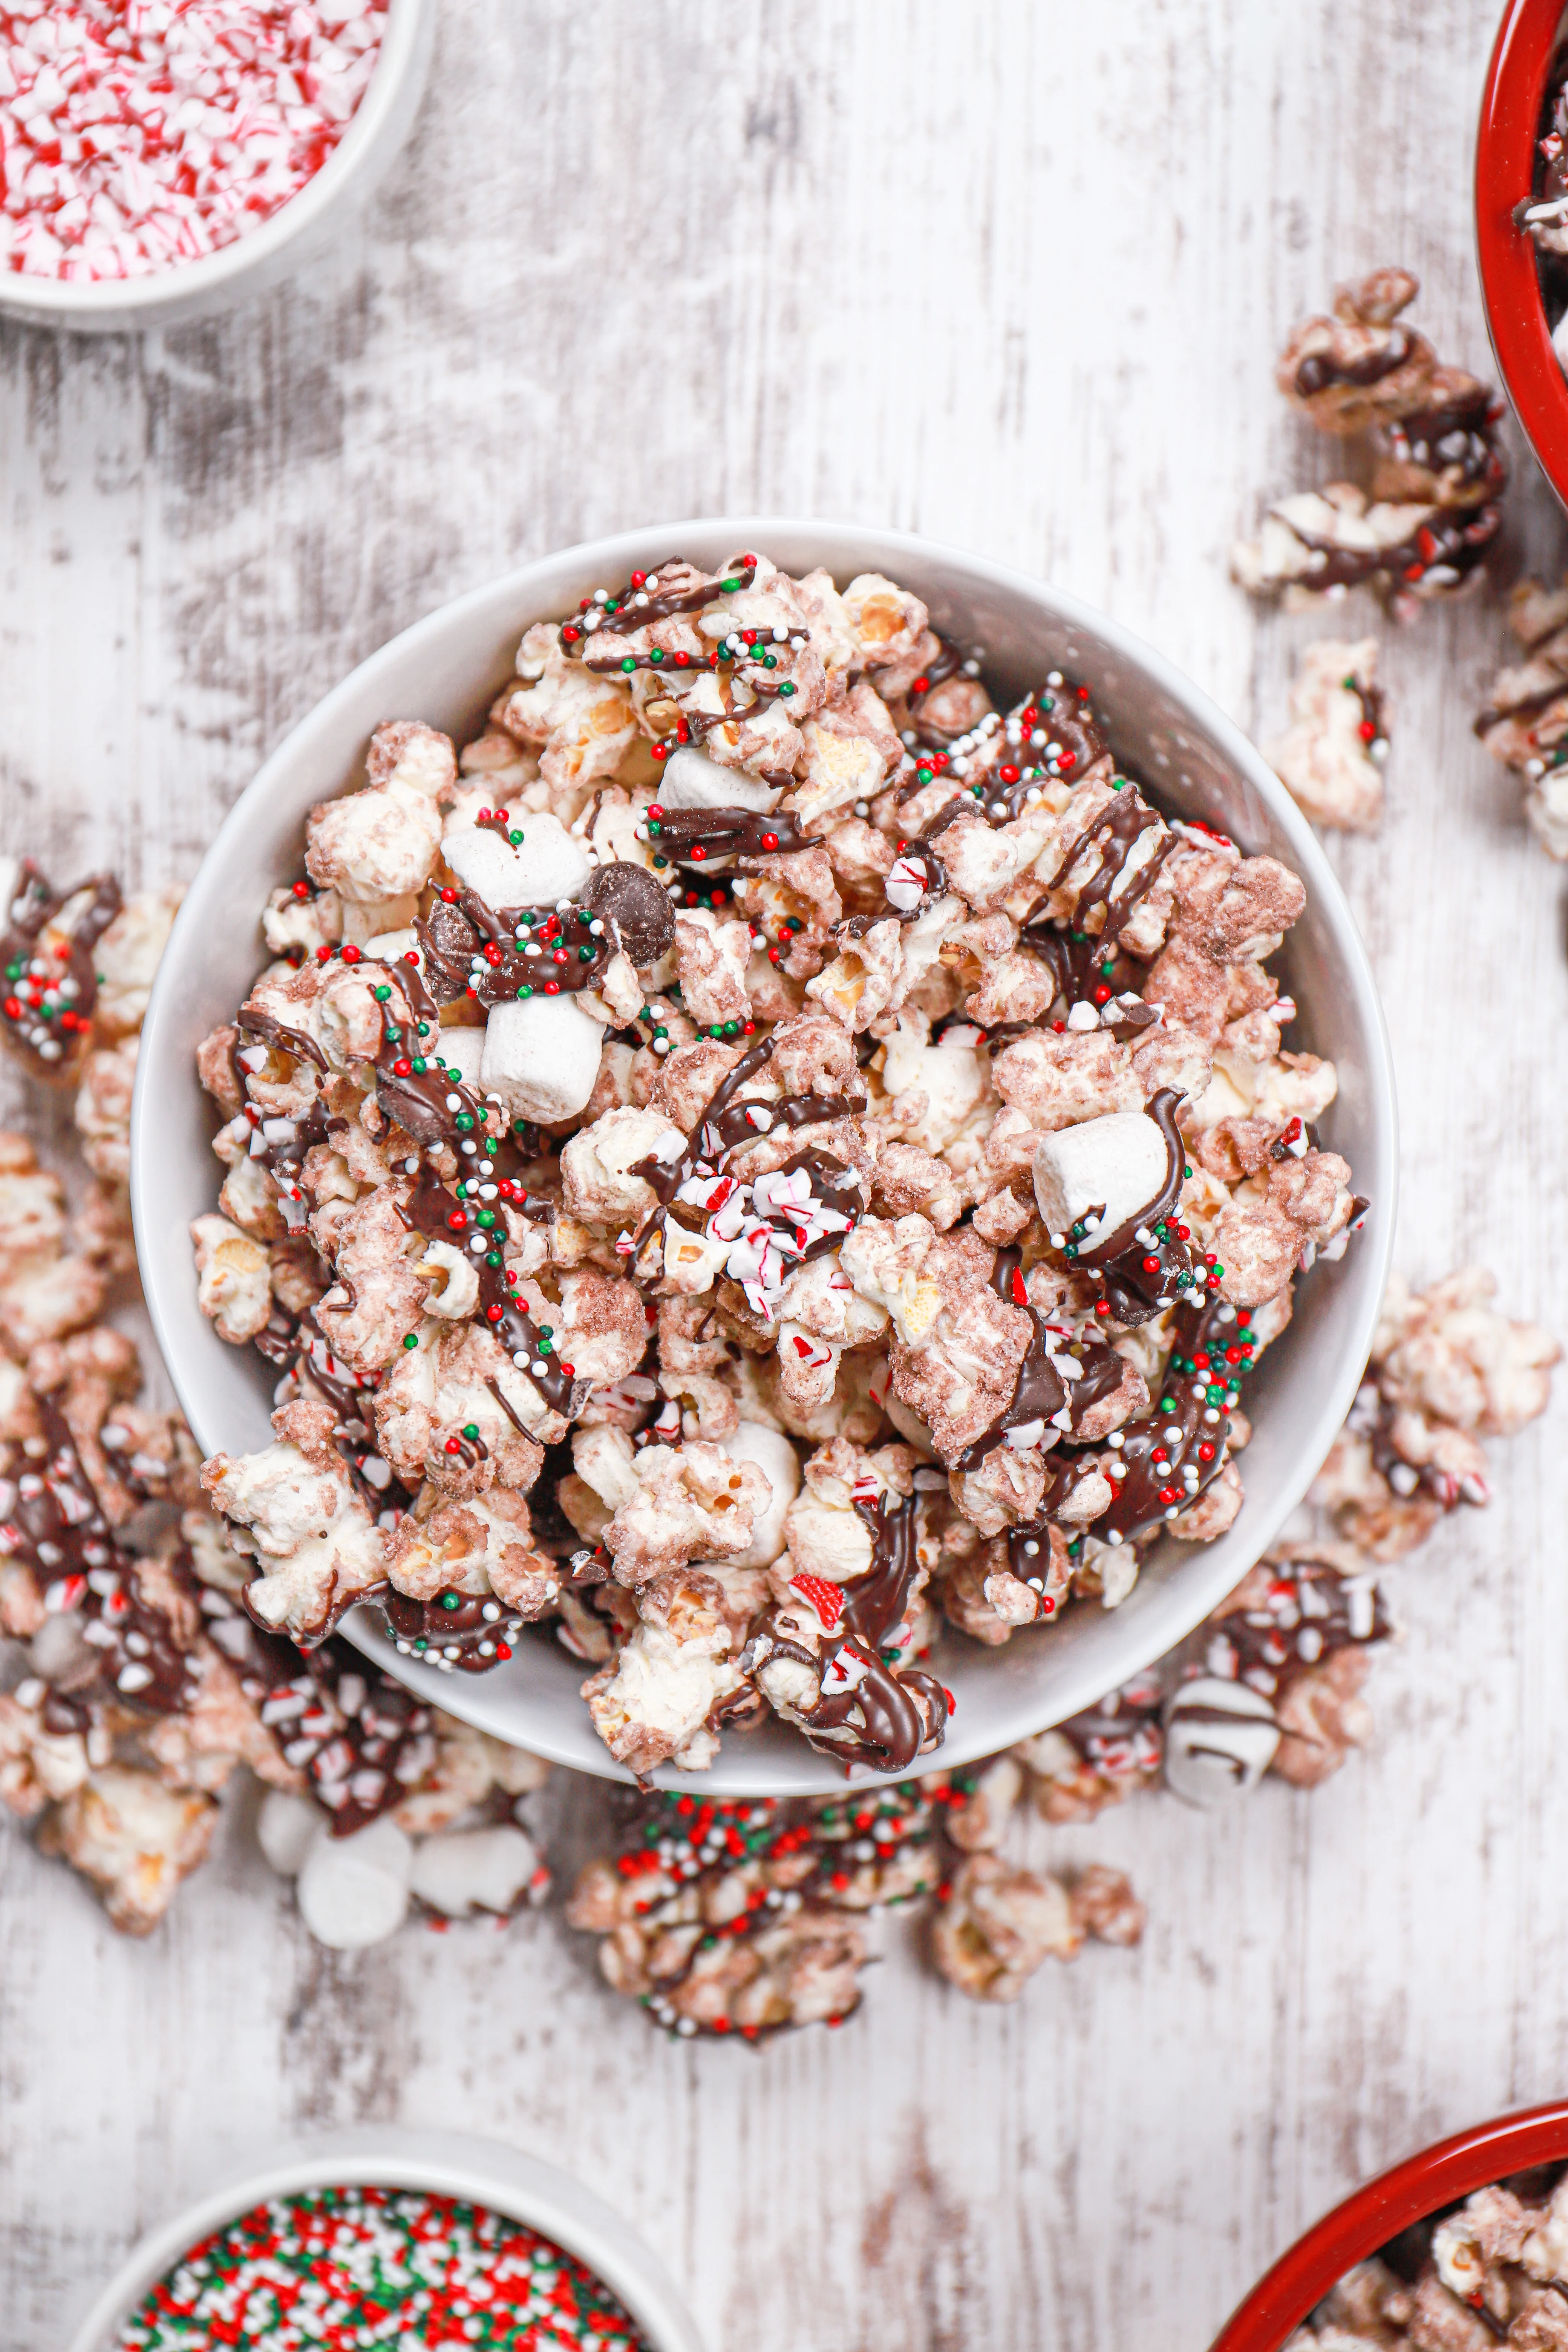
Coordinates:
338 2269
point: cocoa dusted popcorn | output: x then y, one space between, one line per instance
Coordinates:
1418 528
762 1154
1525 723
1487 2272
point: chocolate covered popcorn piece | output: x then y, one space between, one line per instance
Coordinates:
1423 529
747 1917
768 1149
1332 760
1525 723
1447 1370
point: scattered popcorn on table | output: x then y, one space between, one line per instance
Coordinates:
139 134
762 1154
1332 760
1525 722
1487 2272
1420 529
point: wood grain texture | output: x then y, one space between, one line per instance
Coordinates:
1012 277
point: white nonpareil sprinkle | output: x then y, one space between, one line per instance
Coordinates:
139 134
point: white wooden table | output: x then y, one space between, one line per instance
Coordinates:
1013 275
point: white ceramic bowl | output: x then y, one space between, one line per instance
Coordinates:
446 669
447 2164
280 245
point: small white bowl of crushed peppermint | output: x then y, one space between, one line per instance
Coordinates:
161 160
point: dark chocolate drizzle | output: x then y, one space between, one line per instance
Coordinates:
1114 833
892 1729
1151 1489
1267 1650
1320 369
701 833
35 1010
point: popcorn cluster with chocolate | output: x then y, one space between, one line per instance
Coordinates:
1420 528
765 1151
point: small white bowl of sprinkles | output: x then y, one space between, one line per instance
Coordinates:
159 159
398 2240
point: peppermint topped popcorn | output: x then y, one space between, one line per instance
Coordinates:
765 1152
138 134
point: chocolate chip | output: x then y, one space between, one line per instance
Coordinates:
639 907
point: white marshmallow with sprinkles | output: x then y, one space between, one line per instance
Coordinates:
1117 1165
544 866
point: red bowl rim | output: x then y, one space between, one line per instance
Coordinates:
1380 2208
1511 291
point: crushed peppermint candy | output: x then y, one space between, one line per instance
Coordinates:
334 2269
139 134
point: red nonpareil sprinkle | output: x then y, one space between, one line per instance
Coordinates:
140 135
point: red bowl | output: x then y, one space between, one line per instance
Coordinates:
1368 2219
1505 156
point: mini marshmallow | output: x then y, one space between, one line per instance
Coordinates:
462 1050
547 865
461 1871
353 1891
1220 1739
777 1460
1118 1164
390 947
285 1828
542 1057
692 780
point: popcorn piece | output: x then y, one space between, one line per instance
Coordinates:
653 1705
103 1109
127 958
691 1502
1525 722
1360 366
318 1547
1331 761
236 1289
134 1839
380 843
999 1926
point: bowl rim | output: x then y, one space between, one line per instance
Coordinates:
1370 2215
1531 372
126 301
475 2170
835 542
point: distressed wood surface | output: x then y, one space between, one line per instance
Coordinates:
1011 276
